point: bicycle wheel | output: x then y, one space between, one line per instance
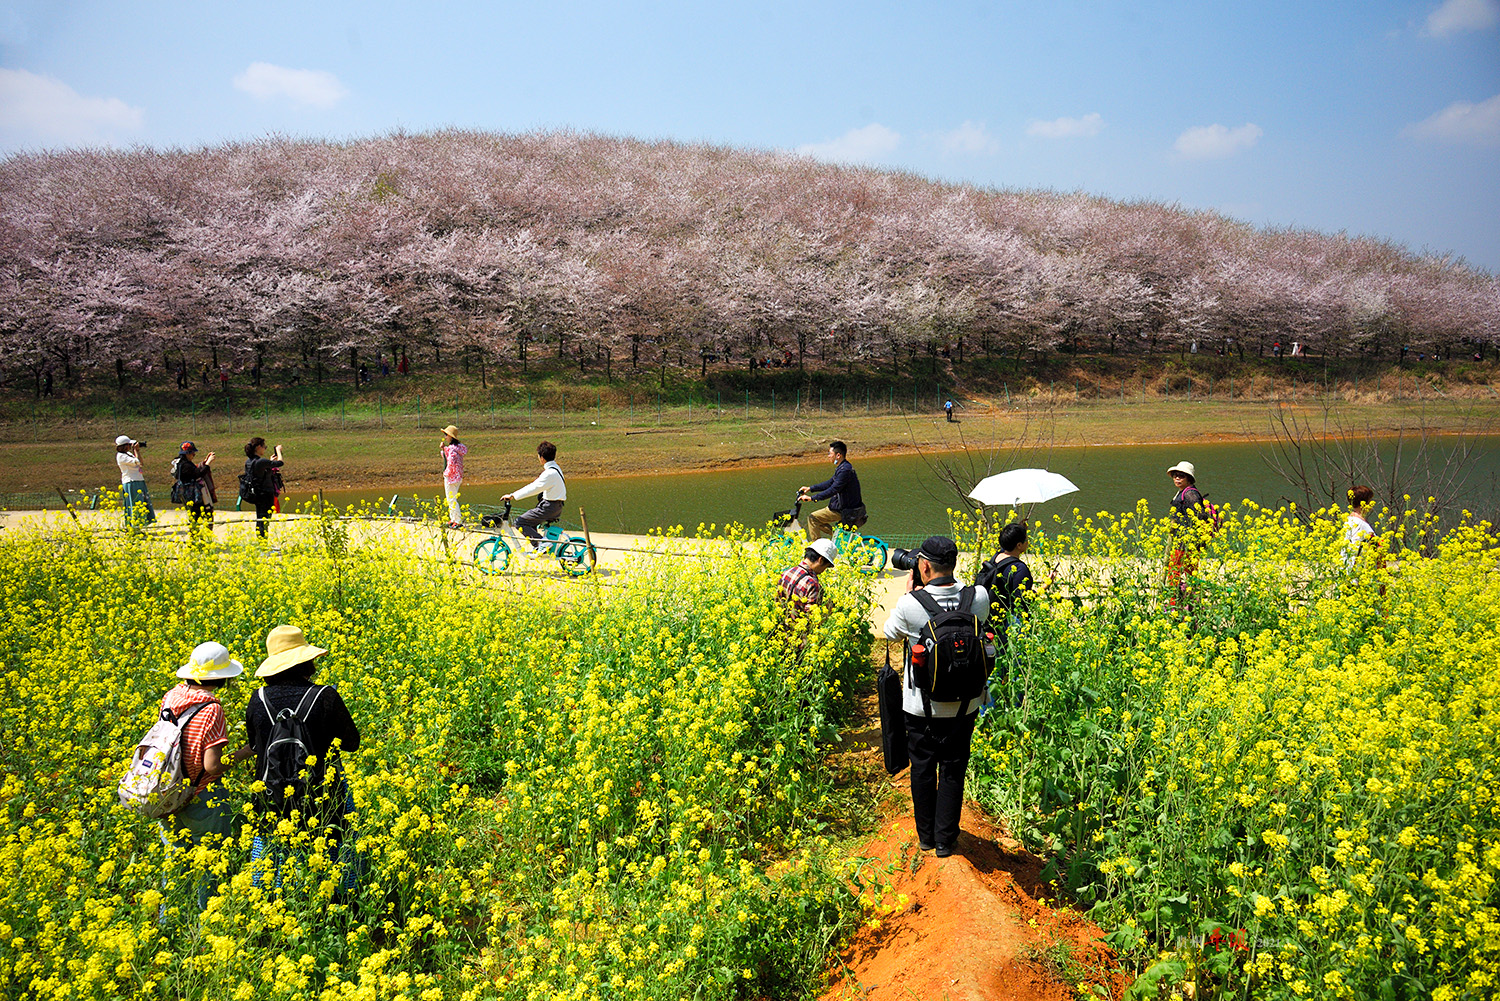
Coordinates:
576 556
492 555
867 554
781 547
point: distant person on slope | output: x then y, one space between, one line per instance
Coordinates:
846 505
553 491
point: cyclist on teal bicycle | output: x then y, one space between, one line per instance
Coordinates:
846 505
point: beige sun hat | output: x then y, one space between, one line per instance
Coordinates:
451 431
210 662
1186 469
287 647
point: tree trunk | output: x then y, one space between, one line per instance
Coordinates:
635 350
354 365
482 383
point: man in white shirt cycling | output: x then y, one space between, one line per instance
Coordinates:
552 488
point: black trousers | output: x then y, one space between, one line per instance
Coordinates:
939 750
544 511
263 517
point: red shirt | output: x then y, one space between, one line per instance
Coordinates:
801 586
206 729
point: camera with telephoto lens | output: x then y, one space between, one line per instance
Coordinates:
140 444
905 559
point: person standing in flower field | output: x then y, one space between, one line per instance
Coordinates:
1357 530
845 502
262 476
552 490
197 486
138 510
326 729
938 731
453 451
1188 510
799 586
204 761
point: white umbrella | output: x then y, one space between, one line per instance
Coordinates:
1015 487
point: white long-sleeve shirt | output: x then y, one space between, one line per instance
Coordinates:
550 485
908 618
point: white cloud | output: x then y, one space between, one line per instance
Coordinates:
871 143
1462 122
1067 128
1206 142
313 88
1455 16
46 111
970 137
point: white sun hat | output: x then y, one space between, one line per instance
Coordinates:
823 548
1186 469
208 662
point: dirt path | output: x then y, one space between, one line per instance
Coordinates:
980 925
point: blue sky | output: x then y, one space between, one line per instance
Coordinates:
1378 118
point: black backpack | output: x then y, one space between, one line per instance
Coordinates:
284 768
957 665
992 578
183 491
252 487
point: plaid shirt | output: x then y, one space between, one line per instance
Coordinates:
800 586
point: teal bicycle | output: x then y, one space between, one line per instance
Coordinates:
493 555
865 553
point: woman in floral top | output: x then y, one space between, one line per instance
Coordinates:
453 452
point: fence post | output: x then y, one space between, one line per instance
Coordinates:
658 408
266 407
303 396
229 417
419 411
914 397
773 401
341 413
565 410
380 408
820 399
747 404
528 406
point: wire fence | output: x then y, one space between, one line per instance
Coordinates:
52 419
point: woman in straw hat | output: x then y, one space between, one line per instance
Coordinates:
288 669
453 452
204 761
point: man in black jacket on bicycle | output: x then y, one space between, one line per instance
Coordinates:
846 504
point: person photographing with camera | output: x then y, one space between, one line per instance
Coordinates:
946 665
138 510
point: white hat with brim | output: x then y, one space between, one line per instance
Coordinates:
124 439
823 548
1186 469
287 648
209 662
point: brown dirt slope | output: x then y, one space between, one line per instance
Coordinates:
980 925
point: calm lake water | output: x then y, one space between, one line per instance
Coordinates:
906 497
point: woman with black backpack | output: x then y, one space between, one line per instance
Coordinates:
298 729
259 481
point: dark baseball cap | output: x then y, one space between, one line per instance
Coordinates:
941 550
188 446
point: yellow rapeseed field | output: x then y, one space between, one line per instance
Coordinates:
601 788
1284 784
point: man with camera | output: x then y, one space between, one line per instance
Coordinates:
846 504
946 669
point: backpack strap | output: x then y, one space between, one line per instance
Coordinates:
966 601
181 721
930 605
314 691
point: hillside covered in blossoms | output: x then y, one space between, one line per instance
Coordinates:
606 253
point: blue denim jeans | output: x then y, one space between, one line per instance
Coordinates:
138 509
208 813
